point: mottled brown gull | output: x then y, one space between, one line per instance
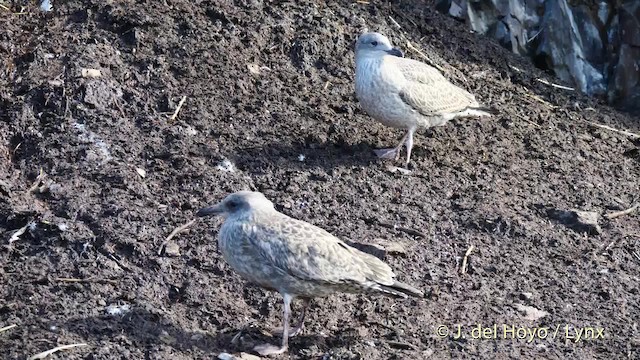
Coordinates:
295 258
405 93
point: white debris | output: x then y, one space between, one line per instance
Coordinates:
141 172
90 73
46 6
226 166
530 313
118 310
16 235
301 157
63 227
89 136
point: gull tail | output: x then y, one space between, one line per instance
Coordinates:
478 111
399 289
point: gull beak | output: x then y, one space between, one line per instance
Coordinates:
395 52
211 210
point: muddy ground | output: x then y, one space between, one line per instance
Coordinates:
97 175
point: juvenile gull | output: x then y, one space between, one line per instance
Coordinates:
404 93
295 258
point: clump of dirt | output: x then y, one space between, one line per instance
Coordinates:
96 175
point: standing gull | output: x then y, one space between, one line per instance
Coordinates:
295 258
404 93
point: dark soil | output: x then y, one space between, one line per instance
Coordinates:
269 88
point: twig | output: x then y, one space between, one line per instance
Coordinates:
541 100
175 232
402 15
528 121
616 214
8 327
627 133
36 183
395 22
75 280
515 68
400 345
554 85
403 229
16 235
44 354
175 113
465 260
410 46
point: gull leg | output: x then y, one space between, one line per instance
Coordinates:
392 153
409 144
300 325
270 349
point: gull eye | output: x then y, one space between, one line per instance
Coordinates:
232 205
374 43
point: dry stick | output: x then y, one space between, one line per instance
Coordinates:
425 57
175 232
8 327
16 235
175 114
465 260
44 354
75 280
402 15
395 22
541 100
616 214
554 85
403 229
36 183
529 121
612 129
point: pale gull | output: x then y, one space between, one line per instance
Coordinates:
405 93
295 258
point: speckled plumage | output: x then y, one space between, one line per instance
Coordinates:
293 257
405 93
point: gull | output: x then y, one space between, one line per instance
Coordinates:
404 93
295 258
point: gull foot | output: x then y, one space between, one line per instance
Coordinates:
293 332
392 153
269 349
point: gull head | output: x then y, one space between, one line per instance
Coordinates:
238 203
375 44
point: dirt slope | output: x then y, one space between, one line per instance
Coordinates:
268 88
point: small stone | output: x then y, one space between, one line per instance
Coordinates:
172 249
91 73
254 69
245 356
395 248
581 221
526 295
141 172
531 313
166 338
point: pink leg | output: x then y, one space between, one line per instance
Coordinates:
300 325
409 144
269 349
392 153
